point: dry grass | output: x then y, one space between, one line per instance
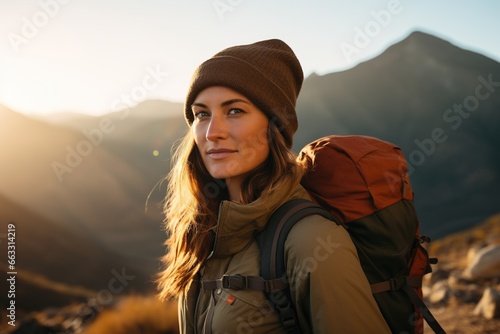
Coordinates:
461 320
456 315
137 315
454 248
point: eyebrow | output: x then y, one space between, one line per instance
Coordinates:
223 104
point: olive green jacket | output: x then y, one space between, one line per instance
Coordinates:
330 292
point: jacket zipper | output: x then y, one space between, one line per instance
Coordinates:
221 210
196 309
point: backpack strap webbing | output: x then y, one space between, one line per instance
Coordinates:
422 308
396 284
239 282
272 261
407 285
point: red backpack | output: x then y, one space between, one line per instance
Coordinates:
361 183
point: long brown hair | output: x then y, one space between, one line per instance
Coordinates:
192 203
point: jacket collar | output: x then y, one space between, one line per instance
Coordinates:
238 223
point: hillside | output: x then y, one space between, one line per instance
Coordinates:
57 265
407 96
453 248
97 181
454 309
73 179
452 295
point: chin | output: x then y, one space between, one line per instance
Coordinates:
224 173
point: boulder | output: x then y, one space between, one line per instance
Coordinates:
489 305
455 280
472 252
437 274
439 293
485 264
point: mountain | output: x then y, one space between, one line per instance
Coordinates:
440 104
57 265
73 179
96 177
452 299
98 181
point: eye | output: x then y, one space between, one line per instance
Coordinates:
200 114
235 111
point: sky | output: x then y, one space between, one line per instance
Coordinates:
96 56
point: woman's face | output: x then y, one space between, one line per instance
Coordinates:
230 133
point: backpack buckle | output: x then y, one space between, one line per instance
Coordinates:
397 283
236 282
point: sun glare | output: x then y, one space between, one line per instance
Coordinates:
27 86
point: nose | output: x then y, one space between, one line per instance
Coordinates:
217 128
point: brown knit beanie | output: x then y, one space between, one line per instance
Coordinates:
267 72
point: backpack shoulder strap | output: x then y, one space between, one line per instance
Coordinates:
272 239
272 247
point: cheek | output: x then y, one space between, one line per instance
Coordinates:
256 147
198 140
262 140
198 134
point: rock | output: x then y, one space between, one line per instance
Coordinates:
486 264
437 275
426 291
489 305
472 293
455 280
439 293
472 252
464 295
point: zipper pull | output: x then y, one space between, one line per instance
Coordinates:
210 255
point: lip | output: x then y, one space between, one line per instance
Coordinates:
220 153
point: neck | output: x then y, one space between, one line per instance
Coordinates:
234 190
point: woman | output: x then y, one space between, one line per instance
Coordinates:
233 168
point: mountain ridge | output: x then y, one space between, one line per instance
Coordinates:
401 96
405 101
57 264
